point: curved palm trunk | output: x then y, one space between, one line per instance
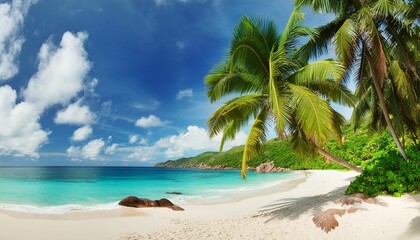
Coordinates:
383 105
338 160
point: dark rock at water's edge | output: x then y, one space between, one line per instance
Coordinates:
136 202
269 167
174 193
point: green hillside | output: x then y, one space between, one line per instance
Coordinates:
274 150
358 148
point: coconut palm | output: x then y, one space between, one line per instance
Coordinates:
271 85
364 32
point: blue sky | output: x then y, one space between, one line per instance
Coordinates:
117 82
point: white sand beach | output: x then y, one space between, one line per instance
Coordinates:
284 213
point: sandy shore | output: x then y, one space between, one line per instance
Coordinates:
284 212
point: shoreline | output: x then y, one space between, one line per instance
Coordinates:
218 196
282 213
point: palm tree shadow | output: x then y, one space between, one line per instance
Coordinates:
293 208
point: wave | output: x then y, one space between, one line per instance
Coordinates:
57 209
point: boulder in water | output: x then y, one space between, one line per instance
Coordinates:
136 202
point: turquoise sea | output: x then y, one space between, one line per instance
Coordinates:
64 189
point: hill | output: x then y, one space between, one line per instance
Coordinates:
274 150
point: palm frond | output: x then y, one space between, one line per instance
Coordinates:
312 113
256 136
251 45
238 109
324 77
221 82
345 41
403 83
337 122
229 132
329 6
289 35
361 108
319 42
383 7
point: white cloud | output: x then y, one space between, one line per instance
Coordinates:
61 72
149 105
111 149
195 138
190 141
59 78
143 153
74 153
150 121
143 141
166 2
92 149
20 131
82 133
75 114
133 139
186 93
11 22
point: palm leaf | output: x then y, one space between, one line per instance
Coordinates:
220 82
238 109
345 41
312 113
256 137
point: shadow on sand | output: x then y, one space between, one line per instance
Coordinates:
293 208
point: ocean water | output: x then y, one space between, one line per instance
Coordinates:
64 189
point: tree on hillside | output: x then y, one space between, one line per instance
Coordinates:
376 40
270 84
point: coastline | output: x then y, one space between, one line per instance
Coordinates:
283 213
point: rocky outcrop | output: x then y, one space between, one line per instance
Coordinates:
136 202
174 193
269 167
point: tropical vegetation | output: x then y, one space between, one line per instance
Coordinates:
273 80
272 84
376 40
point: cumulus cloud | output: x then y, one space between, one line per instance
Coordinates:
20 131
111 149
74 153
150 121
92 149
82 133
60 75
143 153
185 93
75 114
11 21
61 72
195 138
133 139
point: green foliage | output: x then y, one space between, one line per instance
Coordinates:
280 152
389 173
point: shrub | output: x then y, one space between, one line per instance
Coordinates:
389 173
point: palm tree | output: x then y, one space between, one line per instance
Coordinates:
364 32
270 84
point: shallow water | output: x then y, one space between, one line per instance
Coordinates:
63 189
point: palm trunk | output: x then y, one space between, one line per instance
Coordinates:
338 160
383 105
